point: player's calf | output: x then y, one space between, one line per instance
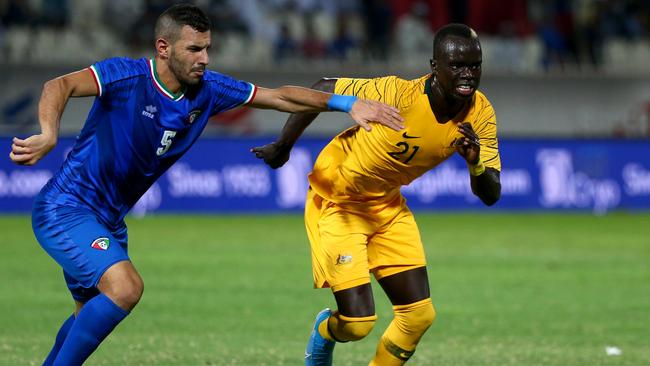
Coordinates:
95 321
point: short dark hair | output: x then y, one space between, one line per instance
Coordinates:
171 21
451 30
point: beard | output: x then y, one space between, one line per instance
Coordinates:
176 67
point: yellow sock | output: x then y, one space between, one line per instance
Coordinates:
389 354
398 342
324 331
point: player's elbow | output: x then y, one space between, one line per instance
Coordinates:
281 99
54 84
487 186
488 194
325 85
60 86
491 198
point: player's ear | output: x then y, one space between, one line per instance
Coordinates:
163 47
432 63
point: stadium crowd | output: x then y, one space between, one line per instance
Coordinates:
551 34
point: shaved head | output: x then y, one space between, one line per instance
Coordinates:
453 31
172 20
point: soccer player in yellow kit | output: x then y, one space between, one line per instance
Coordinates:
356 218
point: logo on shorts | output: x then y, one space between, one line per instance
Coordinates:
100 244
344 259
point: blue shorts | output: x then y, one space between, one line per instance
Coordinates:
80 243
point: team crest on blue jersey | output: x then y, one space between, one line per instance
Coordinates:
194 114
100 244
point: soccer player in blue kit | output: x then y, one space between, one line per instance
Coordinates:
146 115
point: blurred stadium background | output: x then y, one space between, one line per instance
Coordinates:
552 68
567 246
570 82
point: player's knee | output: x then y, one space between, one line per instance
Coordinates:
122 284
127 293
425 316
134 290
131 295
415 318
359 329
353 328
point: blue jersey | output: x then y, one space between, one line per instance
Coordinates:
134 132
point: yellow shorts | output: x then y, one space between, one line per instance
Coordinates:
348 242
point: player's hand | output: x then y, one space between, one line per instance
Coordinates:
365 111
31 150
469 145
273 154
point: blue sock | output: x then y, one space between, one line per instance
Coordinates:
58 342
95 321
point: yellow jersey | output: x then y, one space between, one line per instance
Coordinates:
361 166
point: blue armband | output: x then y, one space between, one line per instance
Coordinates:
341 103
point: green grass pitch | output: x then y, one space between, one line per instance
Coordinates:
510 290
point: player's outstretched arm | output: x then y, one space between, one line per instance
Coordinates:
294 99
54 98
485 182
362 112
